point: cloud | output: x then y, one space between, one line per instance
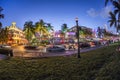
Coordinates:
104 12
92 12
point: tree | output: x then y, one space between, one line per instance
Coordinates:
87 32
64 29
1 16
113 21
99 30
41 29
106 2
49 27
115 15
4 39
29 30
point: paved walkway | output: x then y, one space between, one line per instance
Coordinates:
37 53
3 57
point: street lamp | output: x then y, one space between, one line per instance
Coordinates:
78 40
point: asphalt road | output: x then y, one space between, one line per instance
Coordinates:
20 52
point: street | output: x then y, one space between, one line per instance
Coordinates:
20 52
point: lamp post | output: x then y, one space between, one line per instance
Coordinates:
78 39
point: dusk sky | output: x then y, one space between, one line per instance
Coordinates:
91 13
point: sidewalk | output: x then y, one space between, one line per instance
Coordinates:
3 57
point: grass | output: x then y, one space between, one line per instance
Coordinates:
100 64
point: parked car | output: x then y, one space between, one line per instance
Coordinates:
55 49
5 46
84 45
6 51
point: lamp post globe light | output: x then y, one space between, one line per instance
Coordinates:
78 39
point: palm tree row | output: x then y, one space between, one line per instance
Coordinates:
115 14
37 31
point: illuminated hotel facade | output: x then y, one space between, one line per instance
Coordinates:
16 35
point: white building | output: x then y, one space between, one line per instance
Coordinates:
16 35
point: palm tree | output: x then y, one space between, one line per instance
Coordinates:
106 1
64 29
82 33
29 30
6 36
41 29
117 13
99 30
87 32
49 27
1 16
114 17
4 39
113 21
